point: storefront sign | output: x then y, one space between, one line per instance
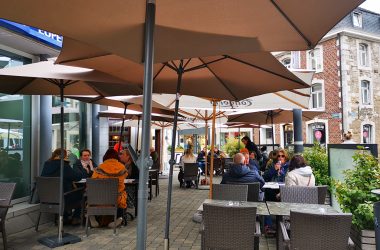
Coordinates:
235 104
43 36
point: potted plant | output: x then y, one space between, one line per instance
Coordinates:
317 159
354 196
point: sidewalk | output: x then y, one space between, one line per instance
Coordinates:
184 232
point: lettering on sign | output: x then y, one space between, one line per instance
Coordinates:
235 104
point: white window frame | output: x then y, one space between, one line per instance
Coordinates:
295 64
320 62
360 19
326 122
373 132
361 104
360 66
322 82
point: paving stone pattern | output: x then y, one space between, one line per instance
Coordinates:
184 232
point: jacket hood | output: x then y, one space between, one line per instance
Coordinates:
305 171
111 167
239 171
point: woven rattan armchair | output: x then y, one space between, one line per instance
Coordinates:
48 193
317 231
253 190
6 193
191 173
102 195
228 227
299 194
229 192
322 192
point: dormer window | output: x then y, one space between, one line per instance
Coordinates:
357 20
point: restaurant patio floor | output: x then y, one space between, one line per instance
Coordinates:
184 232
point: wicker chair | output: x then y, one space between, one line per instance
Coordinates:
6 193
154 181
229 192
253 190
102 195
228 227
299 194
322 192
48 193
191 173
226 163
322 231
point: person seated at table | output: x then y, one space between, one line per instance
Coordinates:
112 168
239 172
250 160
201 160
278 169
85 164
126 158
264 159
188 157
52 168
299 173
118 147
216 153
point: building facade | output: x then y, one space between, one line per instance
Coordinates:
346 83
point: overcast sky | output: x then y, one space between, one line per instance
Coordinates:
372 5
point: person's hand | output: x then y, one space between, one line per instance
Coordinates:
277 166
87 168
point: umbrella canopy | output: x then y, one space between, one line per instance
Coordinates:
229 77
198 27
134 103
265 117
44 78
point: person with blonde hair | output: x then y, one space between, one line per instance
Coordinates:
347 138
278 169
188 157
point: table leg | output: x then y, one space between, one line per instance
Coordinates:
278 219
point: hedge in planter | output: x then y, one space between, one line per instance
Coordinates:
354 193
317 159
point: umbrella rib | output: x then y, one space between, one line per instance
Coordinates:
159 71
170 66
290 100
265 70
184 66
220 80
299 93
292 24
204 65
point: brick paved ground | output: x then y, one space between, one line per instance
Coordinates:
184 232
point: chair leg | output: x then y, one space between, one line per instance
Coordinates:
87 217
114 224
4 235
38 221
157 188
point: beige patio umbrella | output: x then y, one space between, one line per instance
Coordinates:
46 78
185 29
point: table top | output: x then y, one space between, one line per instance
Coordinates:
376 191
273 185
261 207
126 181
283 208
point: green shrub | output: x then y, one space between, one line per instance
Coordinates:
317 159
232 146
354 193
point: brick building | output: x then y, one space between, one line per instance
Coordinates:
346 83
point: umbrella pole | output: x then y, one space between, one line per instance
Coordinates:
144 160
271 118
172 160
9 134
60 222
206 135
212 146
122 128
138 131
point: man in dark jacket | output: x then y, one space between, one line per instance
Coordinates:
241 173
52 169
85 165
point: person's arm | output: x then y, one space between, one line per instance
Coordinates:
72 174
269 173
257 151
290 181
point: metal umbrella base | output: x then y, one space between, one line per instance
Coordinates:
52 241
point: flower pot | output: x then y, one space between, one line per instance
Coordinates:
363 239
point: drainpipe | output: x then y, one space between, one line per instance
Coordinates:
342 89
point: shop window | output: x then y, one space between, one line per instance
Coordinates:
367 133
317 132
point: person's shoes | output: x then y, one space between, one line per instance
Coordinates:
118 222
93 221
76 221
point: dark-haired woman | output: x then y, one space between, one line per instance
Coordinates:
299 174
112 168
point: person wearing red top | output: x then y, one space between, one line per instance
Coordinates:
116 147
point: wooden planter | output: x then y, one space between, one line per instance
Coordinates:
363 239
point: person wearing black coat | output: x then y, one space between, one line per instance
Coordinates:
85 165
52 168
251 146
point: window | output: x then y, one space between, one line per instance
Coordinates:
296 59
317 132
365 88
317 96
357 19
287 63
315 60
363 55
367 133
